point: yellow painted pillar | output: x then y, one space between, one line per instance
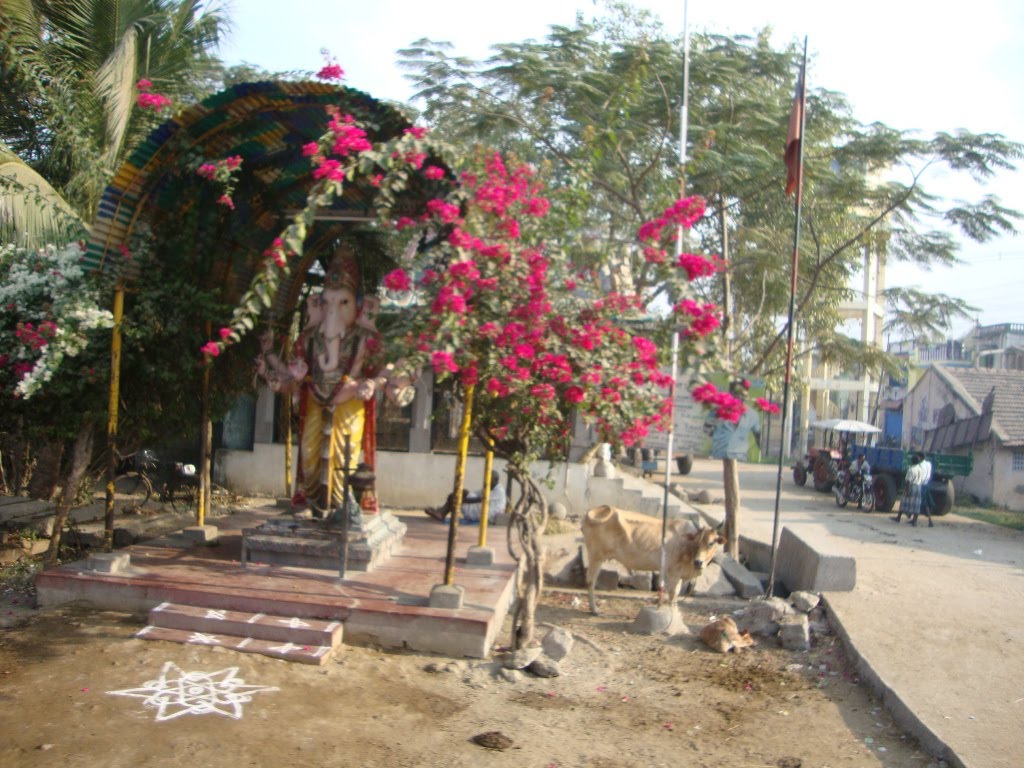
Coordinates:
486 502
287 408
460 477
112 409
206 437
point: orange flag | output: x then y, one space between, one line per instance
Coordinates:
793 137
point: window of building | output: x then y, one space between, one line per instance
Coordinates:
1018 461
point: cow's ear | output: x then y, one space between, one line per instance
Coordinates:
720 539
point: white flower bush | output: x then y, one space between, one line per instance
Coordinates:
47 310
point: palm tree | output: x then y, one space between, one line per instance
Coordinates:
68 108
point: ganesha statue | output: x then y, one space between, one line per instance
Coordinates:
335 372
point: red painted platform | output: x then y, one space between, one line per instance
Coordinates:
388 606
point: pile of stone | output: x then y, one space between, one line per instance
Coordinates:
792 621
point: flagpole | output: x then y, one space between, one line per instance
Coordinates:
684 118
801 104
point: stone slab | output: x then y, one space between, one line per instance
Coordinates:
303 654
108 562
746 584
202 534
810 566
259 626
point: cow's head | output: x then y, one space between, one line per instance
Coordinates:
706 542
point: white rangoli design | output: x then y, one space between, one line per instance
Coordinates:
177 692
293 623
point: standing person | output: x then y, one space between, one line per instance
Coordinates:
926 495
910 504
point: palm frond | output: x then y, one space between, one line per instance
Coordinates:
115 85
32 213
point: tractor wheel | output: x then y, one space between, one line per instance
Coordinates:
943 495
824 474
885 493
800 475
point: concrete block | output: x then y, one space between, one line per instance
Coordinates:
447 597
795 633
747 585
659 621
713 583
480 556
108 562
811 567
202 534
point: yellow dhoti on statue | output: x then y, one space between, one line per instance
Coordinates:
324 430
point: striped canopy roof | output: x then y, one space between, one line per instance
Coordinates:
266 124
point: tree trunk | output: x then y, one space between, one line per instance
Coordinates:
72 479
46 474
529 520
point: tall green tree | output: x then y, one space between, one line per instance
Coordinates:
70 68
596 106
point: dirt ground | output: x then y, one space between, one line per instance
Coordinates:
623 700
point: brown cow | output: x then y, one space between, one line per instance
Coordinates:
723 636
635 541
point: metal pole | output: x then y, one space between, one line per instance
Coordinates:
343 555
112 408
486 501
460 476
287 406
684 112
792 308
668 469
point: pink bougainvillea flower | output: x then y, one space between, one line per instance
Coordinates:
210 349
125 252
377 179
497 388
696 266
416 132
767 406
154 101
433 172
397 280
574 395
143 85
445 211
224 332
331 72
226 201
310 149
443 362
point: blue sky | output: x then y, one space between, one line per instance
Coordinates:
950 66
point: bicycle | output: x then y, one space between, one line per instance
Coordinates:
131 479
181 488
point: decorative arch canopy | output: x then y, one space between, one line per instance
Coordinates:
266 125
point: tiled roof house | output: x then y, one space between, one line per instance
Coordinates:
978 411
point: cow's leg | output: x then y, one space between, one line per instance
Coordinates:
672 586
593 571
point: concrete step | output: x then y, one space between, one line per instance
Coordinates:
636 495
303 654
259 626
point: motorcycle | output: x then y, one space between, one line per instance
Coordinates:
859 490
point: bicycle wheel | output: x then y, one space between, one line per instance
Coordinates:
132 490
183 498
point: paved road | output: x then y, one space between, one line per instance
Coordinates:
937 613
